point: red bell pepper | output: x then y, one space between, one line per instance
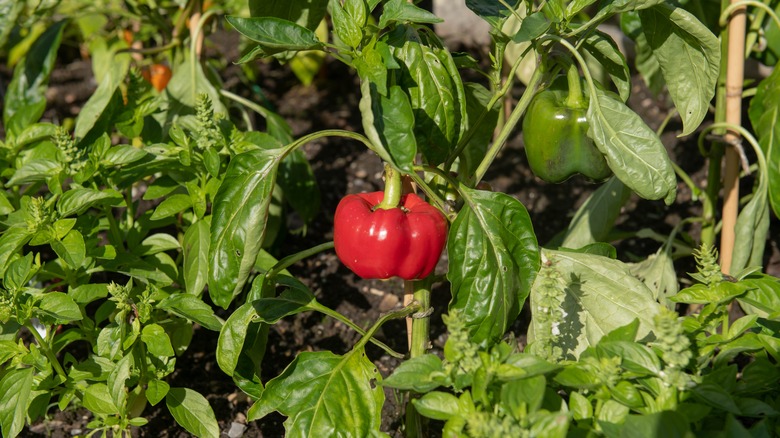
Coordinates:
405 241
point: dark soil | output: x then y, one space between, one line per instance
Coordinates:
342 166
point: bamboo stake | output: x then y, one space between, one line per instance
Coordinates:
734 78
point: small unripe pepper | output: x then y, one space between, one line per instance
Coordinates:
555 134
377 240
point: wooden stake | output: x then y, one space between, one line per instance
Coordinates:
734 79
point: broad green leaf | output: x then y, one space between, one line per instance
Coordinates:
267 310
657 272
633 151
437 405
348 21
669 424
395 11
307 13
117 379
492 11
324 394
35 170
193 308
25 97
5 205
391 124
71 249
645 61
157 341
196 257
101 99
192 411
172 205
19 273
77 201
35 133
140 269
720 293
121 155
605 51
595 218
15 389
579 406
156 390
155 243
715 396
420 374
494 258
239 215
520 393
689 57
276 33
598 295
611 7
181 94
97 398
765 116
533 26
12 241
89 292
764 297
60 307
634 357
436 93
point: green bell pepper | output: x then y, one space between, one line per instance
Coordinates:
555 130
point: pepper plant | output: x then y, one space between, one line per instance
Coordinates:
100 291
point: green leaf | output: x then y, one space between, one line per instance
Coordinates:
157 341
715 396
689 57
9 12
579 406
595 218
155 243
437 405
101 99
307 13
172 205
25 97
763 298
395 11
35 170
267 310
635 357
276 33
494 258
633 151
389 123
196 256
720 293
79 200
35 133
599 296
348 21
605 51
192 411
117 379
324 394
477 99
657 272
12 241
523 395
156 390
71 249
97 398
87 293
239 215
666 424
60 307
193 308
533 26
121 155
436 93
491 11
765 116
15 389
420 374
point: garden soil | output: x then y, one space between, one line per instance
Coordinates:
343 166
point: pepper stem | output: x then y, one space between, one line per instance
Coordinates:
575 98
393 189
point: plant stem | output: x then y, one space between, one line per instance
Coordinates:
734 77
421 325
43 345
506 131
574 98
291 259
393 189
339 317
